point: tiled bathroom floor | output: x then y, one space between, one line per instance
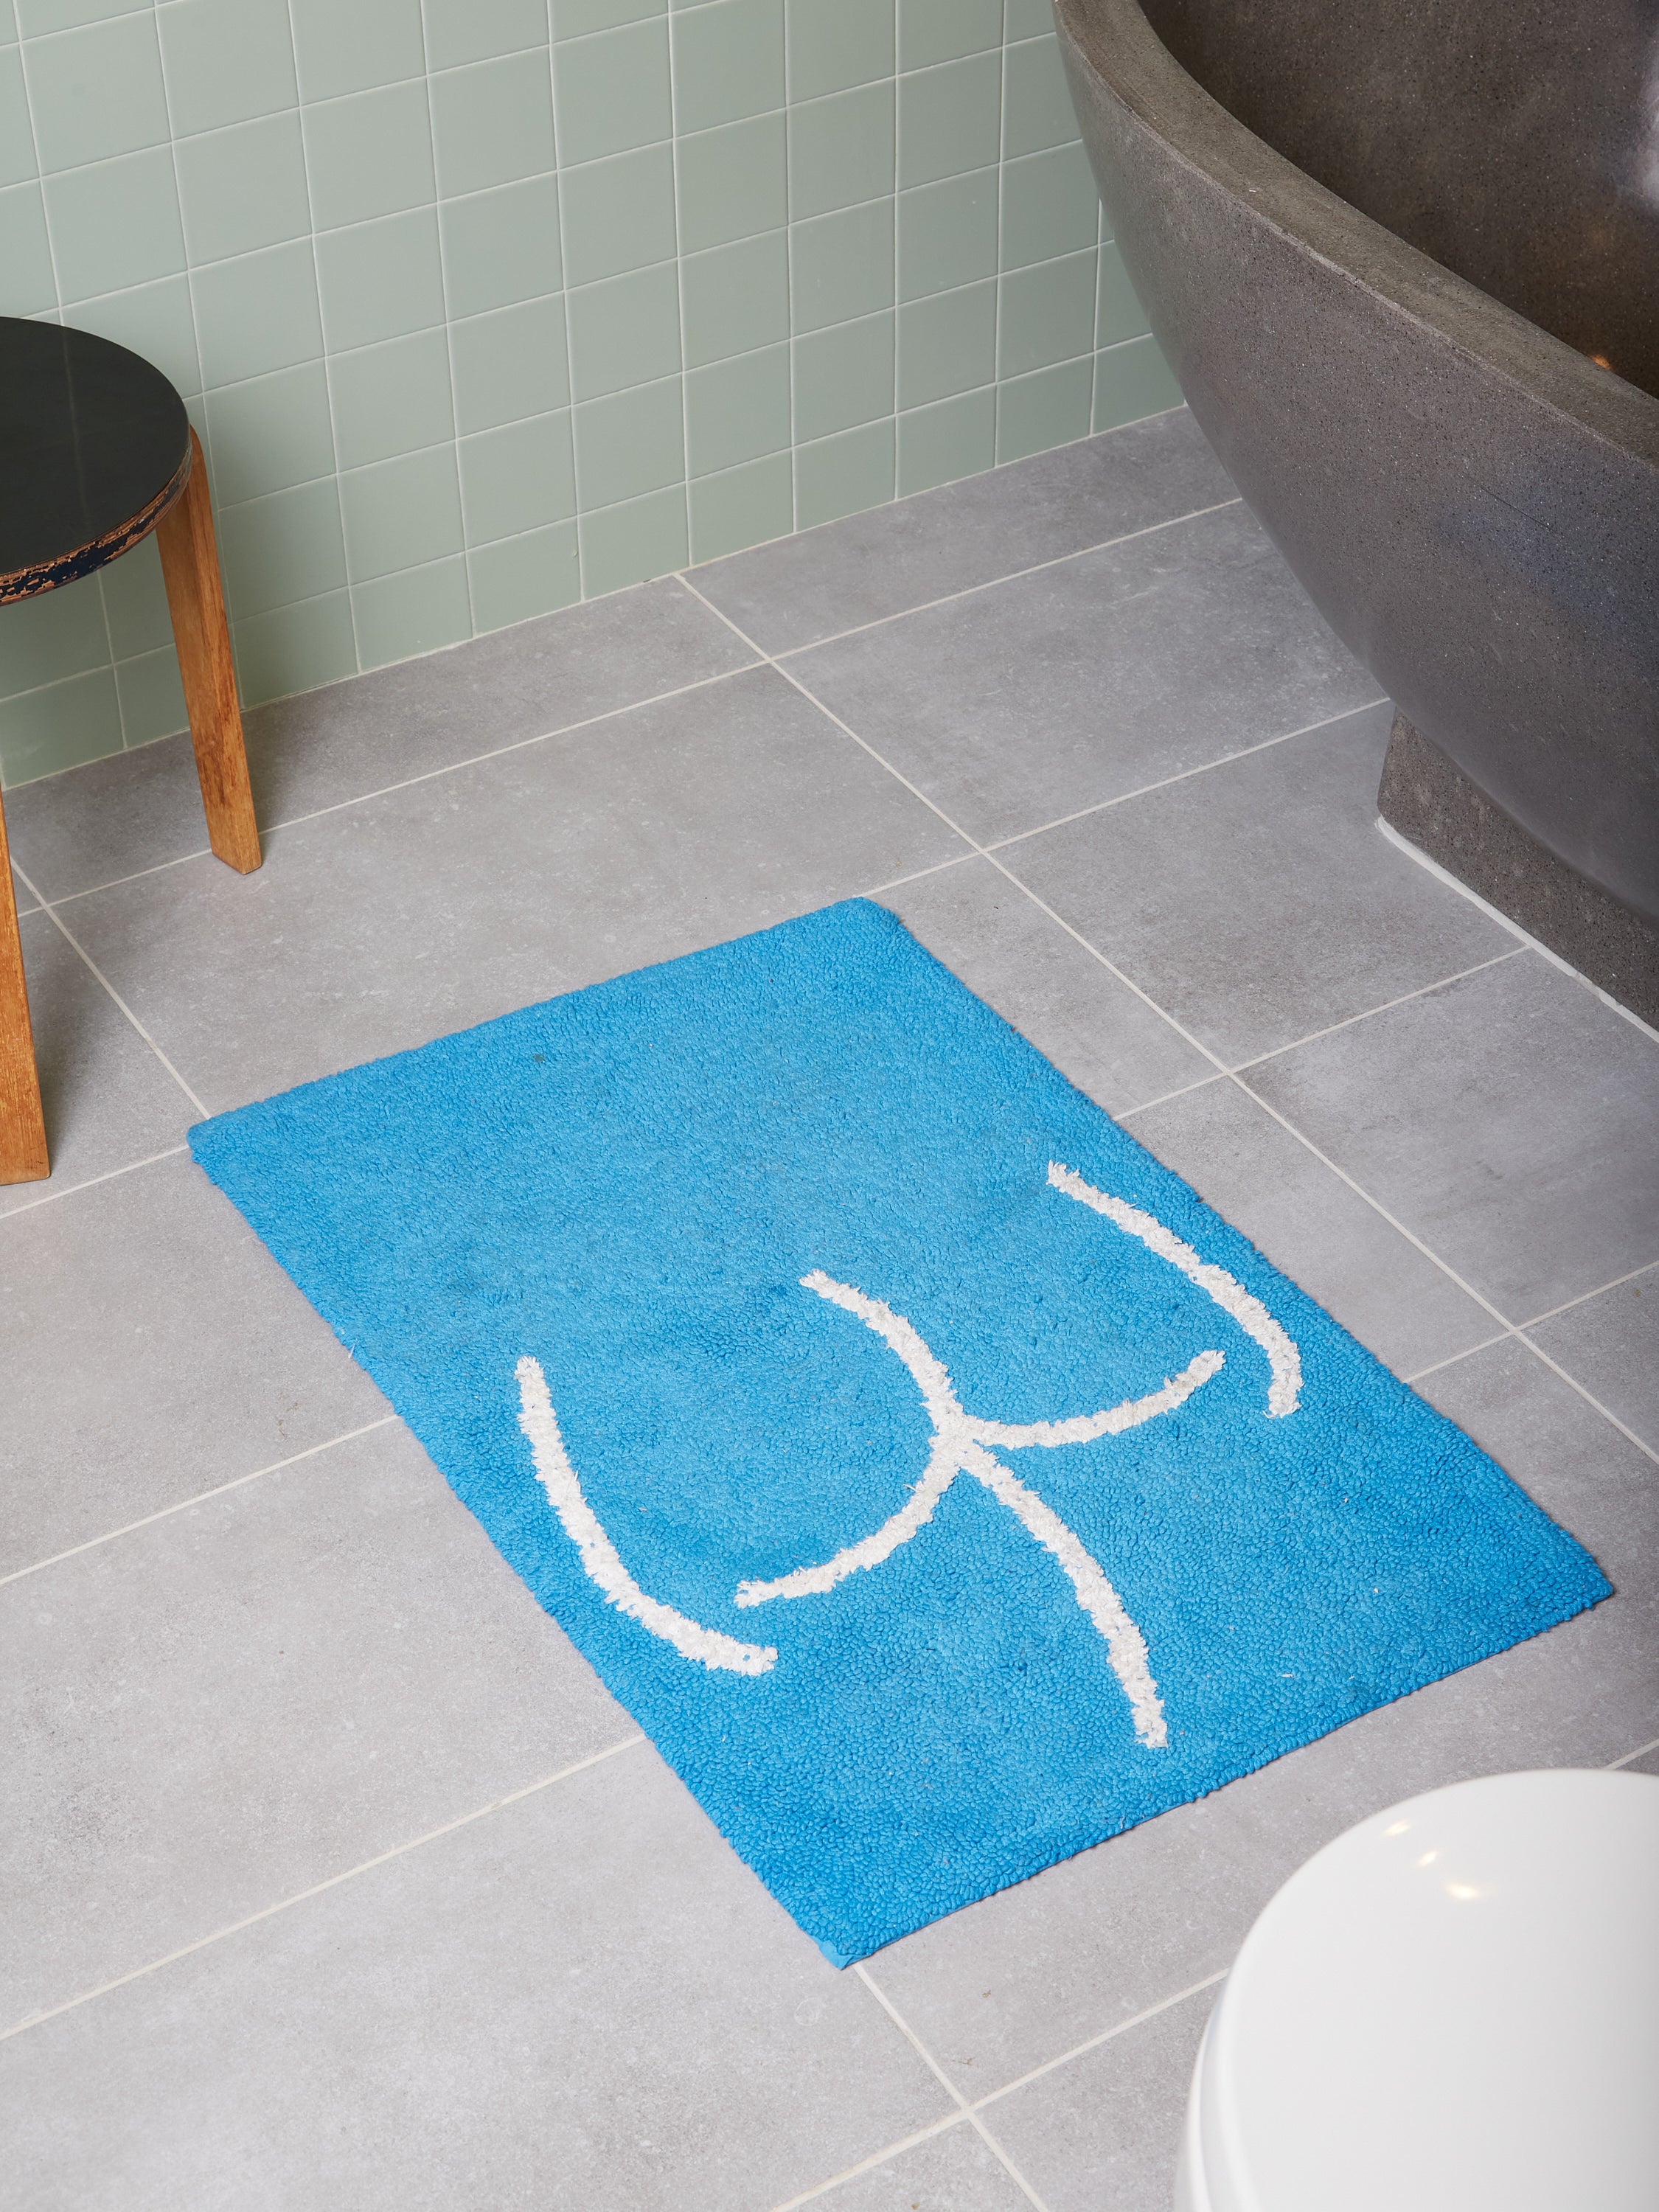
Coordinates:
334 1878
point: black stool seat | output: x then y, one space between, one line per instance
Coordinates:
95 447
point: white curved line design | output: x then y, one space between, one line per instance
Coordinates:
959 1448
598 1554
1231 1297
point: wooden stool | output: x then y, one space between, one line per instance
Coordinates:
95 452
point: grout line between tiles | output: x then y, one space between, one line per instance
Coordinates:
1567 1304
967 2110
317 1889
1107 2035
199 1497
1183 775
1186 1091
91 1182
1013 577
1640 1752
876 2160
60 924
1423 991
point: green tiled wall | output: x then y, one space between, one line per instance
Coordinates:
482 307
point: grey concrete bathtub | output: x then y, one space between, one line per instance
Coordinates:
1382 247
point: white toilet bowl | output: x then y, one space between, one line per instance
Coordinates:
1454 2007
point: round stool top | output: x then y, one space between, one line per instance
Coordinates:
1455 2005
95 447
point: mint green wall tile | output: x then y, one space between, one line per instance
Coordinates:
844 475
417 611
42 731
1048 409
1131 381
115 225
257 313
1050 206
1118 313
728 63
525 576
1029 19
97 92
735 298
26 283
842 266
518 478
629 444
743 506
1038 109
947 344
346 46
151 697
625 545
843 376
501 247
381 279
369 154
947 233
471 30
285 546
16 136
60 634
295 648
42 15
510 364
619 213
949 118
738 410
834 44
391 399
953 438
492 122
136 602
944 30
731 183
400 514
225 60
1048 314
155 321
573 19
624 332
271 432
611 92
841 149
243 188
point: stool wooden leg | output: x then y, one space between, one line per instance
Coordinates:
196 600
22 1128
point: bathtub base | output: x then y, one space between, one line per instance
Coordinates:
1428 798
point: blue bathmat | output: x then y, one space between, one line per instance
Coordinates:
940 1482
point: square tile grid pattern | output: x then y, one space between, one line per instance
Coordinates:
336 1879
483 306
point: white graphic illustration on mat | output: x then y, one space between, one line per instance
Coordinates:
961 1445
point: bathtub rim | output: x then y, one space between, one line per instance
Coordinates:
1114 42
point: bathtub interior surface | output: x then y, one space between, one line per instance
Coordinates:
1515 141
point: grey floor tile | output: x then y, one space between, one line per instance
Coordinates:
416 913
583 2002
108 1101
1013 1981
1104 2131
956 2172
95 825
877 564
1055 691
1013 956
153 1349
1257 902
22 897
1311 1224
255 1694
1611 1344
1510 1120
